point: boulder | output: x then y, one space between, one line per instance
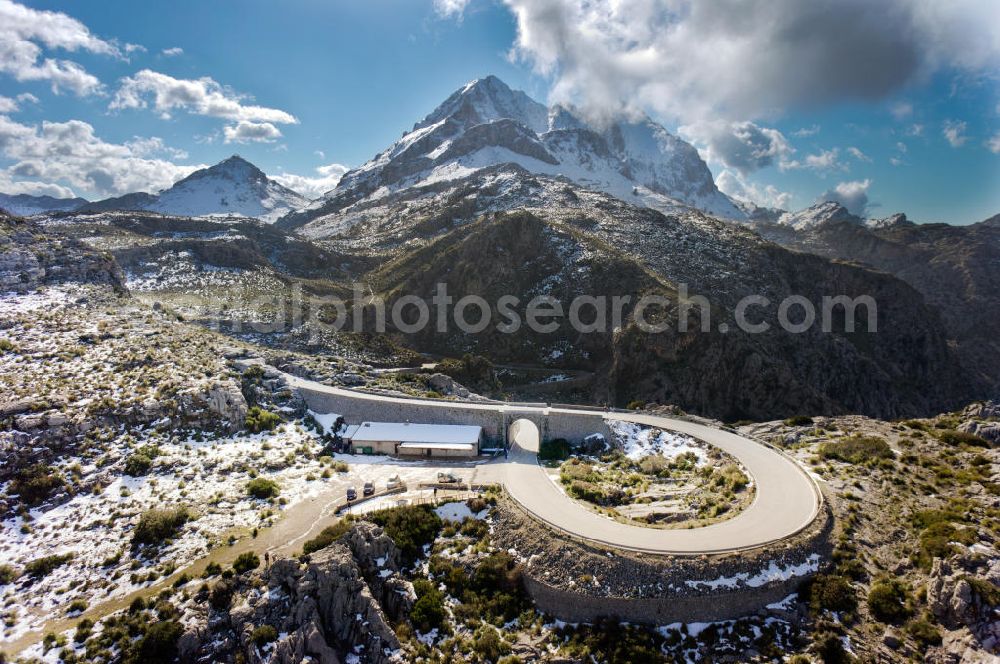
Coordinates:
226 400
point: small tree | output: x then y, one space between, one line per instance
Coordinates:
246 562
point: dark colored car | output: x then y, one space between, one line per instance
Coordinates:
352 494
369 488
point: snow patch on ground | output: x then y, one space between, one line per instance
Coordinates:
773 572
458 512
640 441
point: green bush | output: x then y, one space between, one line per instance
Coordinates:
956 438
494 591
34 484
556 449
830 648
936 541
924 632
608 640
42 567
245 562
856 449
486 643
327 536
7 574
889 601
259 419
159 644
635 404
428 611
411 527
831 592
798 421
262 488
137 464
221 595
654 464
588 491
263 635
156 526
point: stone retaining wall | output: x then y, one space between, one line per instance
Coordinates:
494 419
559 573
577 607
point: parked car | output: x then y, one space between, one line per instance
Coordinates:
393 483
352 494
368 489
447 478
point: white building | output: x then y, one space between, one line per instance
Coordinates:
415 440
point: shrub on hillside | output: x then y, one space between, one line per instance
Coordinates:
159 644
259 419
411 527
42 567
156 526
263 488
7 574
327 536
263 635
889 601
798 421
428 611
956 438
830 592
856 449
138 464
924 632
34 484
245 562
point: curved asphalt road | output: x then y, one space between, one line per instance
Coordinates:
787 499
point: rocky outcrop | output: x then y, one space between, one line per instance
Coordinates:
339 602
955 600
444 384
30 258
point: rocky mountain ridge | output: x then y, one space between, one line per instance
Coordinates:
233 187
486 124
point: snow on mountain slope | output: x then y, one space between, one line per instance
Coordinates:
25 205
485 123
232 187
817 215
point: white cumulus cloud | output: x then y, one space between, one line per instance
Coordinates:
201 96
313 187
747 59
172 51
24 32
993 145
954 133
737 186
70 154
742 146
450 8
853 195
251 132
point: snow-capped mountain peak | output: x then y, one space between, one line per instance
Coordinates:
487 99
485 124
816 215
233 187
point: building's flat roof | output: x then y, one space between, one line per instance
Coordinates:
407 432
437 446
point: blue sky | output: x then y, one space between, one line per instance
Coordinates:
301 85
